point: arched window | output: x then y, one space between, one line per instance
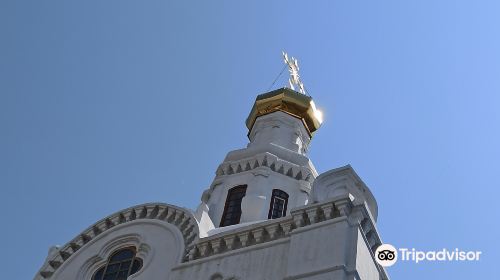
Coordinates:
120 265
279 201
232 209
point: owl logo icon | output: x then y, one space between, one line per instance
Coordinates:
386 255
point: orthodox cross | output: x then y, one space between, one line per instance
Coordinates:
293 67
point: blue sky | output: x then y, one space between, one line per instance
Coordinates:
108 104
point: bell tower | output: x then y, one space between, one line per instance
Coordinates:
273 173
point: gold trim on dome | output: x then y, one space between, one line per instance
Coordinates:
288 101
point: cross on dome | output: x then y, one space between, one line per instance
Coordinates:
293 67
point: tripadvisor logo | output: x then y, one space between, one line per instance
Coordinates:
387 255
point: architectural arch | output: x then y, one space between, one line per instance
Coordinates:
180 218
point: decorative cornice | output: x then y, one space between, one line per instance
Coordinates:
270 161
340 207
181 218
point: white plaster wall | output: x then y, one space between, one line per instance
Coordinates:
260 184
159 244
340 181
365 264
282 130
333 249
319 249
333 274
262 262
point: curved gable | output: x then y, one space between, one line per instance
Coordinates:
180 218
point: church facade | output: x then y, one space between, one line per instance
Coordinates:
268 214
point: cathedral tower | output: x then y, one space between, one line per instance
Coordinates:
273 173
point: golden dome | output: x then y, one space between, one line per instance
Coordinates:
288 101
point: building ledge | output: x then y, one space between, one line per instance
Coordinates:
336 209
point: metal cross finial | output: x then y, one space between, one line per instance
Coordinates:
293 67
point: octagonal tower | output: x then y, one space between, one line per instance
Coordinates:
273 173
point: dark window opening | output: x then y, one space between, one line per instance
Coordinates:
279 202
232 209
120 265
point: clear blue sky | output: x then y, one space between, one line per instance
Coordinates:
108 104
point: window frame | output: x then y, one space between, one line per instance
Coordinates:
108 263
280 195
233 191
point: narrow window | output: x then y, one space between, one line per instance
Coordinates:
232 209
120 265
279 201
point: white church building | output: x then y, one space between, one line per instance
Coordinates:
268 214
